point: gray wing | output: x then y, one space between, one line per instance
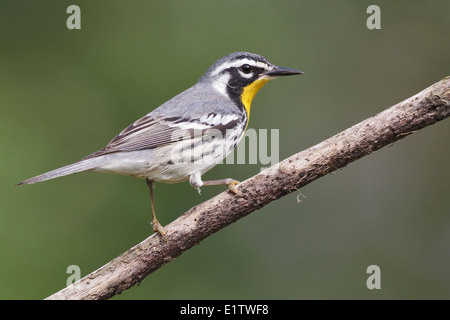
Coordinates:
145 133
152 131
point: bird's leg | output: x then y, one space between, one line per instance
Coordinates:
196 181
157 227
231 184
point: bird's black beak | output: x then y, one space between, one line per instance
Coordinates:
282 71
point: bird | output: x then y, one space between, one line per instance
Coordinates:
189 134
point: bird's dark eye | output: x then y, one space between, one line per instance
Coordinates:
246 68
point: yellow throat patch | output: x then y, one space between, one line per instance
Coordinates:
249 93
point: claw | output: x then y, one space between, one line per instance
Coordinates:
232 186
157 227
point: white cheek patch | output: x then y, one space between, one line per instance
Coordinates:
220 84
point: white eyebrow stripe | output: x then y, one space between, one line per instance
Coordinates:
240 62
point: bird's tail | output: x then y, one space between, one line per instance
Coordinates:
80 166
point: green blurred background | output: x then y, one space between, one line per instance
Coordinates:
65 93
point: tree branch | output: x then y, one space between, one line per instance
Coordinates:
130 268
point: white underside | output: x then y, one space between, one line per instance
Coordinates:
166 164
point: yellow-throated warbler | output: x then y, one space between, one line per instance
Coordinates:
187 135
